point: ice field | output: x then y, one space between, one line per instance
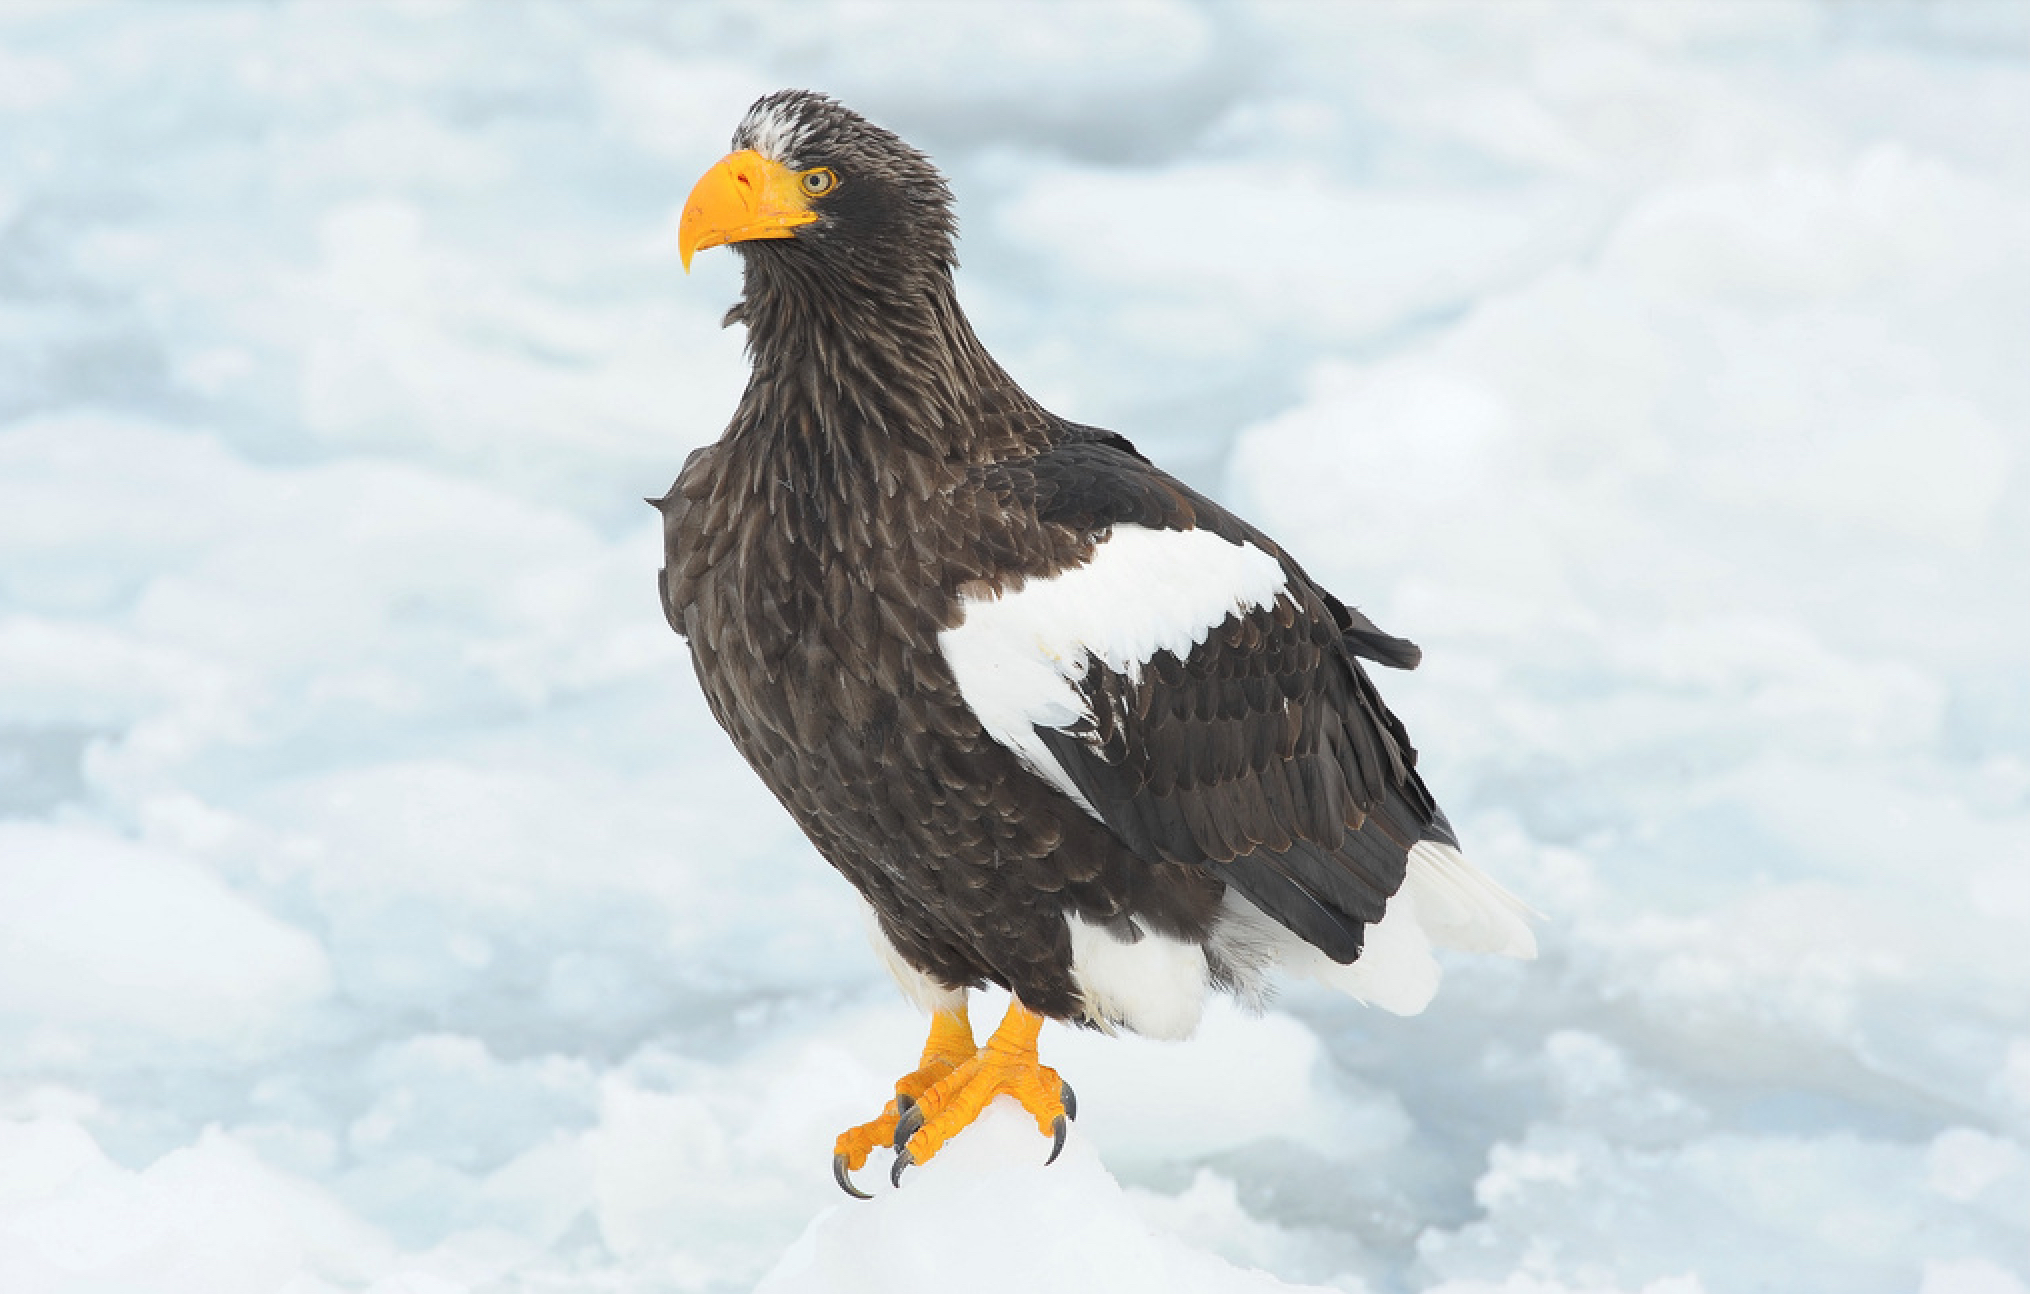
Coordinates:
382 911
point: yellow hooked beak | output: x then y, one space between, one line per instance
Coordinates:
745 196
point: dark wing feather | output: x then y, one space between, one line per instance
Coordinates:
1266 752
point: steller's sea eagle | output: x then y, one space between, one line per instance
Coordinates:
1067 725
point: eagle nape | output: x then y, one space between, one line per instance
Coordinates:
1069 727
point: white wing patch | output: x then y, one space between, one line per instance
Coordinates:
1017 657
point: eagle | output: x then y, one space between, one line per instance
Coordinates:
1068 726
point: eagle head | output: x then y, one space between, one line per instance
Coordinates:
810 183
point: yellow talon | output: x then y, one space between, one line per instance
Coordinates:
950 1087
950 1045
1008 1063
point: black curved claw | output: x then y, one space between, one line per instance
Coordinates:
908 1124
1067 1100
845 1179
904 1103
902 1161
1056 1140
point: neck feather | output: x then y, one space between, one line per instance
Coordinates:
856 376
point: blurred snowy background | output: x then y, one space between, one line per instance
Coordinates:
380 908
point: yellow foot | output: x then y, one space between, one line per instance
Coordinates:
1007 1064
950 1045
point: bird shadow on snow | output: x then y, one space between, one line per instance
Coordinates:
987 1209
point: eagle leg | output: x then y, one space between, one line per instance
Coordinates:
1006 1065
950 1046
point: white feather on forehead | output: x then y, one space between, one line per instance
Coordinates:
774 129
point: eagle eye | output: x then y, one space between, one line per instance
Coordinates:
819 181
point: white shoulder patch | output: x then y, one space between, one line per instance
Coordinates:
1017 657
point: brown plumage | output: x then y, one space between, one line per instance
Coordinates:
883 481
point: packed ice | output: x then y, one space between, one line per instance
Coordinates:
381 909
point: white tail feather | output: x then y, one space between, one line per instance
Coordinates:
1444 901
1462 907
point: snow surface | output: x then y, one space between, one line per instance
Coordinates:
380 909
